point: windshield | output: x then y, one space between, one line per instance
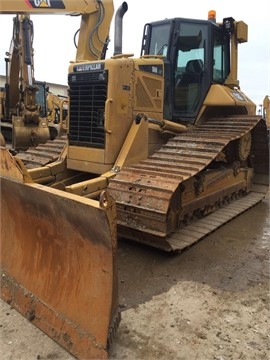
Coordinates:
159 40
190 66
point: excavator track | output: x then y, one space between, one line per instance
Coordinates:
161 200
43 154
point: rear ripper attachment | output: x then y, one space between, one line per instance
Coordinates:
193 184
58 261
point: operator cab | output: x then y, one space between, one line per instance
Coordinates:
41 97
196 55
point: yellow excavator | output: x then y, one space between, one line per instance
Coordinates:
57 111
29 113
162 149
21 120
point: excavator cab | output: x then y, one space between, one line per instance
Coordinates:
41 97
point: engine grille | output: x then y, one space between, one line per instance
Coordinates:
88 94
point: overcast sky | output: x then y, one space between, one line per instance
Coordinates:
53 37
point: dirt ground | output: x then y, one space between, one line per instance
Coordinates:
210 302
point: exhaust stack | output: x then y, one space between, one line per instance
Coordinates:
118 32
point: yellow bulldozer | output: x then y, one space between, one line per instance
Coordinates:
162 149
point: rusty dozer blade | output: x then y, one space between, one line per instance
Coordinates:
58 261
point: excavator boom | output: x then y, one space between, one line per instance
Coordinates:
96 17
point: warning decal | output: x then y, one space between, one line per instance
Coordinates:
53 4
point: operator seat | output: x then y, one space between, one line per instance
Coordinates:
188 87
193 72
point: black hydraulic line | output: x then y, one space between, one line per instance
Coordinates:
28 32
7 86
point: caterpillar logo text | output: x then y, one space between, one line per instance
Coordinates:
54 4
